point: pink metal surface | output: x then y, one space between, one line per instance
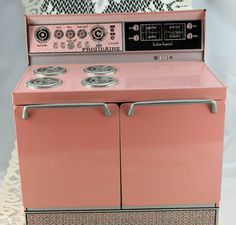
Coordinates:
79 44
69 158
171 155
137 82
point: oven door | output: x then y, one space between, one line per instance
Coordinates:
171 152
69 155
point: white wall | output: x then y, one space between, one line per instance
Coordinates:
12 65
221 56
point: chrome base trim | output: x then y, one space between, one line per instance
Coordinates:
212 205
174 216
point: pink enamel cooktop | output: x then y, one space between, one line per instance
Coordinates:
136 82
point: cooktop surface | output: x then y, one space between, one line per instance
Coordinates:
85 82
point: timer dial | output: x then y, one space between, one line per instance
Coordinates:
42 34
98 33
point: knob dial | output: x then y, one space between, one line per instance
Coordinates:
42 34
98 33
59 34
70 34
82 34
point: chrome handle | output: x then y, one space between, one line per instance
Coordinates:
25 113
212 103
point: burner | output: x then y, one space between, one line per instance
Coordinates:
99 81
100 70
50 71
44 82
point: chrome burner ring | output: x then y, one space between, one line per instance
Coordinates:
43 83
99 81
100 70
50 71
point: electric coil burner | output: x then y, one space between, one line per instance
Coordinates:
44 82
50 71
100 70
99 81
133 135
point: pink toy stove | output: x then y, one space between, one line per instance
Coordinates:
119 121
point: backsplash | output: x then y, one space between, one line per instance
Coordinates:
102 6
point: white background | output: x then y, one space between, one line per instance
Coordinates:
220 55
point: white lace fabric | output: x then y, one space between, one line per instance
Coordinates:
11 207
102 6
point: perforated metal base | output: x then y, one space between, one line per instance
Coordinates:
125 217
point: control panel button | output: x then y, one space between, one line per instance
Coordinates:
163 57
70 34
136 38
136 27
42 34
63 45
189 26
58 34
71 45
87 45
190 36
55 45
82 34
79 45
98 33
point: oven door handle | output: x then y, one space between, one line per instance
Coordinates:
210 102
25 113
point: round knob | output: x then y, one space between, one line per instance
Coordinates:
59 34
98 33
42 34
82 34
70 34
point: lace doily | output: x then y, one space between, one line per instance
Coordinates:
102 6
11 208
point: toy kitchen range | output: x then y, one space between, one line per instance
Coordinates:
119 121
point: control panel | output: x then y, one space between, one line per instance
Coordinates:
116 37
82 38
170 35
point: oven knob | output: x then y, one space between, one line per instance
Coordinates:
136 27
190 36
70 34
98 33
42 34
82 34
189 25
136 38
58 34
